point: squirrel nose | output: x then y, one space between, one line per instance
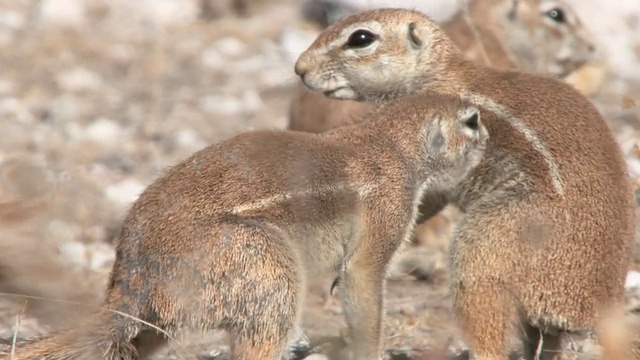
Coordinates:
302 65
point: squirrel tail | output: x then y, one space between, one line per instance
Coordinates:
97 339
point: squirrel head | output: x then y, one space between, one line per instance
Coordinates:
375 55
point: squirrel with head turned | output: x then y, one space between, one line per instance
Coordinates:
543 36
228 238
548 217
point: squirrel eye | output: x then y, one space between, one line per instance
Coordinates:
556 15
472 121
360 39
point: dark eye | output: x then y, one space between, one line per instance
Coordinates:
556 15
472 122
360 39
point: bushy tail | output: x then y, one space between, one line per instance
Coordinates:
95 340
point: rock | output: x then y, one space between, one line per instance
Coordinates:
230 47
63 12
75 253
124 192
79 79
11 19
168 12
212 59
13 109
101 256
294 41
103 130
633 280
316 357
187 138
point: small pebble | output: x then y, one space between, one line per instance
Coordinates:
103 130
63 12
75 253
124 192
79 79
633 280
316 357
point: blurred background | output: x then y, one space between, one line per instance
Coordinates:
97 97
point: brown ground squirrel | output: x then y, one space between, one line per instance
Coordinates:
228 238
548 216
535 35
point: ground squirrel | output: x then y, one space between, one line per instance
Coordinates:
535 35
227 238
548 222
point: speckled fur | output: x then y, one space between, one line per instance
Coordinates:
228 238
548 216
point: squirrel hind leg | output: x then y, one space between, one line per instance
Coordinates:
487 317
260 298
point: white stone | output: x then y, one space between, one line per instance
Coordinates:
63 12
188 138
79 80
101 256
221 104
11 19
103 130
293 41
251 100
6 87
14 109
169 12
124 192
633 165
230 46
74 252
633 280
212 59
316 357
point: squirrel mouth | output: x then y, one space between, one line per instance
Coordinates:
328 93
338 93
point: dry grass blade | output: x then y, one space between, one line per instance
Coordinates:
15 331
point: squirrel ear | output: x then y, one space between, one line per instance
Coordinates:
414 36
512 14
436 134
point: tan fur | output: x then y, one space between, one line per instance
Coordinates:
548 222
228 238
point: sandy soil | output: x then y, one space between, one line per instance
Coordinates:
98 97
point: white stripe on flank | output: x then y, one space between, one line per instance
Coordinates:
362 190
505 114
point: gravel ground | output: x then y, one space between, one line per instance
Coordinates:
98 97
